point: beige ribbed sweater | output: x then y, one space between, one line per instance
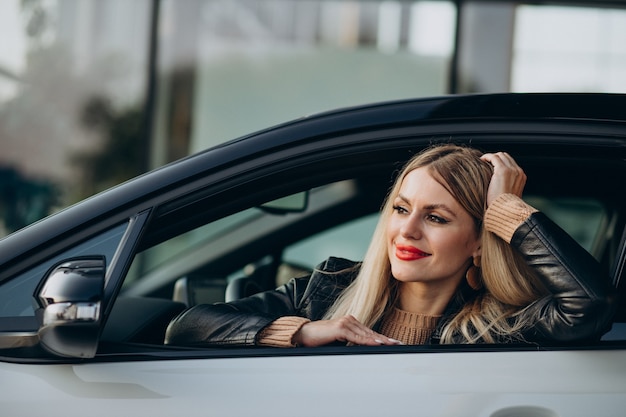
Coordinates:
409 328
503 217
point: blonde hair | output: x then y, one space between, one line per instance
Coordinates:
509 283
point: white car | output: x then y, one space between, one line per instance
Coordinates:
86 294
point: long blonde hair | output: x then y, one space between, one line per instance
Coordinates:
509 284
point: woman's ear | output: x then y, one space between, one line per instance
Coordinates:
477 253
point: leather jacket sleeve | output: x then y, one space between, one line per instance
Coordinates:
237 323
581 301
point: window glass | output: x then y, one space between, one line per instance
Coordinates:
72 90
186 254
240 66
582 219
16 296
349 240
578 49
182 253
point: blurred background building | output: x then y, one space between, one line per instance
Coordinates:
94 92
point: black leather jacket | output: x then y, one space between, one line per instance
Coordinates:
579 307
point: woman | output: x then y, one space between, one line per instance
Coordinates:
457 257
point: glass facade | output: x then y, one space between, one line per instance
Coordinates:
72 92
93 92
569 49
232 67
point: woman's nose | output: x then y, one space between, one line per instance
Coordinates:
411 228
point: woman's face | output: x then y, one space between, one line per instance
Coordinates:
430 237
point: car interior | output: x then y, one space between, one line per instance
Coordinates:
217 245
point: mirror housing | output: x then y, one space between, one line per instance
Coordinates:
70 300
295 203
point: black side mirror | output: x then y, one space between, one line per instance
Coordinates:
70 300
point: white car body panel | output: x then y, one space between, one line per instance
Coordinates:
483 384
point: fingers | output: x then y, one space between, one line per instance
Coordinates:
508 177
345 329
502 160
352 331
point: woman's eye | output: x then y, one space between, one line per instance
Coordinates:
436 219
400 209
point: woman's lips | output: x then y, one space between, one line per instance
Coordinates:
409 253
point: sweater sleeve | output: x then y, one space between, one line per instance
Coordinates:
505 214
280 332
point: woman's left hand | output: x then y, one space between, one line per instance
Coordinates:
507 177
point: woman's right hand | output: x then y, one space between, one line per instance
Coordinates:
345 329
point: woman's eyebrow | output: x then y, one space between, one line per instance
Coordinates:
433 206
440 207
403 198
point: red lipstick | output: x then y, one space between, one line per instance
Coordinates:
409 253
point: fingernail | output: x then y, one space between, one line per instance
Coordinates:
396 341
379 341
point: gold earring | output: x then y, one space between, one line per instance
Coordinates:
473 274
